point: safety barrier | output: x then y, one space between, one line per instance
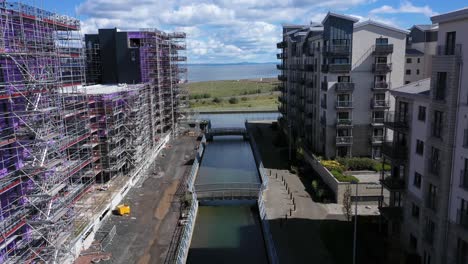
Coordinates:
184 244
196 165
270 244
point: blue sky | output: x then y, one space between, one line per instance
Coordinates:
223 31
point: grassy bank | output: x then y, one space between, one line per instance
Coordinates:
247 95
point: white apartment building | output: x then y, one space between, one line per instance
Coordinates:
336 76
429 153
420 47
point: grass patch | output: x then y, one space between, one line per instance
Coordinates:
260 102
231 88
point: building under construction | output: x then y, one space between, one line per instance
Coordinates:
64 130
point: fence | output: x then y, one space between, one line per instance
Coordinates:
184 244
270 245
258 158
196 164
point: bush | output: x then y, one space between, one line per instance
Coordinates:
333 165
206 95
244 98
378 166
343 177
233 100
217 100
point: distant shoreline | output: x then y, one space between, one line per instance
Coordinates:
239 80
237 111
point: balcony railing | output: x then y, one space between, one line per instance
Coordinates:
344 104
337 68
464 179
382 67
309 67
431 202
434 166
380 86
395 151
376 120
281 45
436 130
377 139
344 87
393 183
337 49
383 49
282 78
281 56
345 140
280 66
323 104
449 50
344 122
396 121
375 104
462 218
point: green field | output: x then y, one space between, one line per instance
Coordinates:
242 95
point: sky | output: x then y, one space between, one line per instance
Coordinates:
232 31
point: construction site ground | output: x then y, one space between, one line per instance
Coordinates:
146 234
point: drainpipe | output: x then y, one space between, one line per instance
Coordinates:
446 235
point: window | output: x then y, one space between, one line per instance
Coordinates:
450 43
134 42
406 82
462 252
464 176
340 42
381 41
340 61
419 147
422 113
413 241
409 60
346 79
431 201
417 71
441 84
429 231
408 72
419 60
437 125
415 211
417 180
426 258
381 60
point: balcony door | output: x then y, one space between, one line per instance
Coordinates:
450 43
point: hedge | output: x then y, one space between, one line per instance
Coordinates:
343 177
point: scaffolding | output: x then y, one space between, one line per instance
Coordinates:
45 162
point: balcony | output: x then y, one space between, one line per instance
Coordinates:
449 50
464 179
397 121
344 87
383 49
282 78
381 68
395 151
301 80
428 236
380 104
462 218
393 183
281 56
324 86
336 68
431 202
433 166
344 122
336 50
280 87
343 104
280 66
309 67
281 45
391 212
344 141
380 86
465 138
375 121
377 140
437 130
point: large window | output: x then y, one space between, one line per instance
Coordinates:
441 86
415 211
422 113
437 125
431 200
340 61
417 180
450 43
419 147
381 41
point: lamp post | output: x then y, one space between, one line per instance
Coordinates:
355 221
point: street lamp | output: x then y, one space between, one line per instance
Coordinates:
355 220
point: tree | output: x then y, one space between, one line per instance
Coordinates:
347 203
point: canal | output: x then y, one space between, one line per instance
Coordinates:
228 233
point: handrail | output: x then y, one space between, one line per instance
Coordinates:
184 244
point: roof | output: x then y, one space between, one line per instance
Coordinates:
108 88
451 16
353 19
382 25
421 87
426 27
414 52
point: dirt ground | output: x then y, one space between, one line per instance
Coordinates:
146 234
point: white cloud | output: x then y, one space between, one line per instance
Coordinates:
405 7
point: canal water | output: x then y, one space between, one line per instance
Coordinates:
228 233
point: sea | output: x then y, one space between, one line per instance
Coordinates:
215 72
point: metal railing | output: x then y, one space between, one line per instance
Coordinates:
196 164
184 244
383 48
381 67
270 245
380 85
449 50
343 104
344 140
344 86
